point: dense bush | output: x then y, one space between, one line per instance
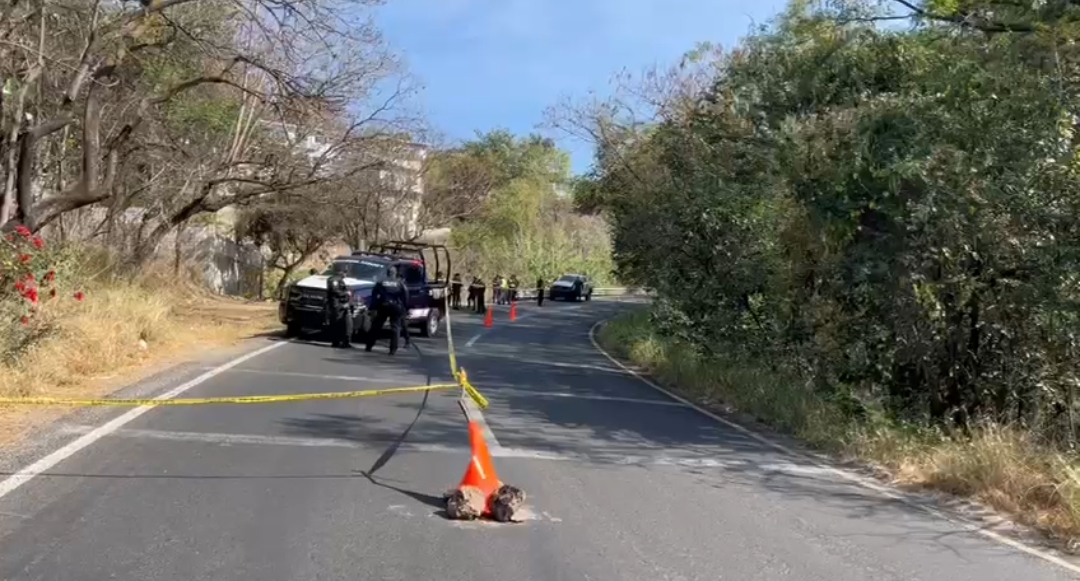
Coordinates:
889 214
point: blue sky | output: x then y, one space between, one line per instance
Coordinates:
487 64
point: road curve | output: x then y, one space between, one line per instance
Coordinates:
624 484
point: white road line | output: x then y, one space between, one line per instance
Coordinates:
357 378
258 440
519 359
496 450
28 473
494 391
848 476
526 315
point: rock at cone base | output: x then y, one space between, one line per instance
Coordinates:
466 503
506 502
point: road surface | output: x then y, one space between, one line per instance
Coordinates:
624 484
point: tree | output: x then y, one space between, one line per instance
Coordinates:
182 107
882 211
516 222
292 229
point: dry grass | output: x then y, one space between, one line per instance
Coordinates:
121 332
1003 467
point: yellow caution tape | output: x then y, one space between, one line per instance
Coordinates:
459 375
250 399
472 391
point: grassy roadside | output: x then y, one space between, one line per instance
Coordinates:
1002 467
120 333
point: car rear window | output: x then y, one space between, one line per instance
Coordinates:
568 279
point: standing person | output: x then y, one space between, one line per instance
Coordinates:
481 290
539 292
337 311
513 288
472 294
388 298
403 322
455 292
496 296
504 289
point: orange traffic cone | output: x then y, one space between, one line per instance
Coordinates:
474 495
481 471
513 312
489 319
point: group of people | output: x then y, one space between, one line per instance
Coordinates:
504 290
390 299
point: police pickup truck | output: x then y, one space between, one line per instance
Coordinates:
302 306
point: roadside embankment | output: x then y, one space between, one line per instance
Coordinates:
1004 467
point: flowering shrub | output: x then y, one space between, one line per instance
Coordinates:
28 287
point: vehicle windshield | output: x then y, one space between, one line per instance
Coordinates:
568 278
359 269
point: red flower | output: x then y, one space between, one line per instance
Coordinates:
20 286
31 295
25 320
50 276
79 296
38 242
25 258
23 231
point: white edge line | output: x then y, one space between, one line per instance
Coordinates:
850 477
28 473
351 378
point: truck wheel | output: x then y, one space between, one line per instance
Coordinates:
292 330
431 324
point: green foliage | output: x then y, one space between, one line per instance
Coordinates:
892 214
524 227
532 157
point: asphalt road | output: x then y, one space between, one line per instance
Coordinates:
623 483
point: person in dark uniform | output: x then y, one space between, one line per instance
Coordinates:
513 288
455 292
539 292
388 299
403 322
479 289
338 311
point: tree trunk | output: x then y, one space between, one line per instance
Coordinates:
178 249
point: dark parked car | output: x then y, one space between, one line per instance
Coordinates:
571 287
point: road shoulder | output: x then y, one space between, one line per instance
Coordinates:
45 436
967 514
